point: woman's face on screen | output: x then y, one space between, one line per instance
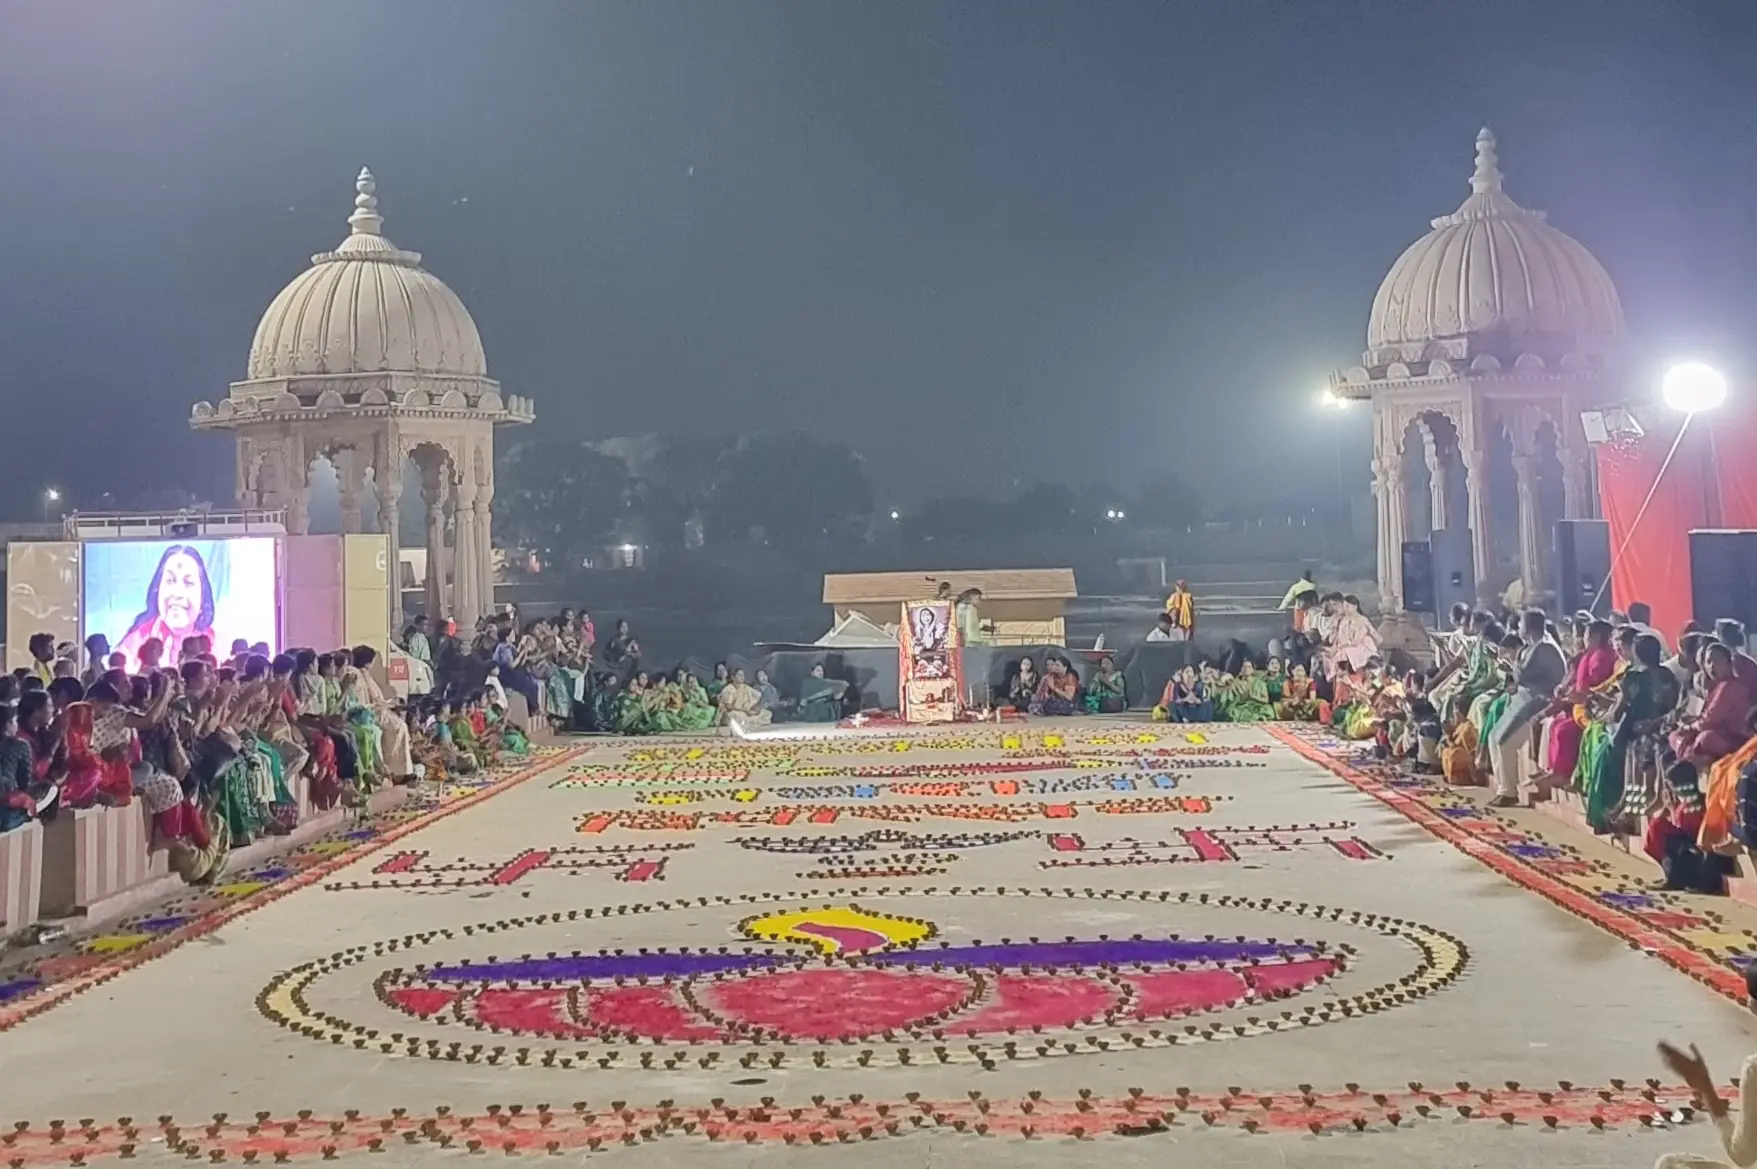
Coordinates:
180 592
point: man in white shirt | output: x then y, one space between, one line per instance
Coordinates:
1738 1134
1165 630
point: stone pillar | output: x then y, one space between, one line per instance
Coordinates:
1482 542
299 507
433 492
1439 460
1530 527
389 481
466 606
485 546
1393 529
351 485
1577 502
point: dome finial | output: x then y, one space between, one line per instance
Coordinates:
366 220
1488 176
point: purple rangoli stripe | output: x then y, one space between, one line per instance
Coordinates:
1120 952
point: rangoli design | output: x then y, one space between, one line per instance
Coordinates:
857 984
657 820
517 1129
1207 846
413 870
1697 942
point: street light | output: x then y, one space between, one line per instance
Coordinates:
1693 386
1328 399
895 514
51 496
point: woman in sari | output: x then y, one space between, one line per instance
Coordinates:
820 698
741 701
1299 699
1058 694
1720 728
1023 686
1593 670
359 720
694 711
1107 693
304 695
554 666
1248 700
1185 699
631 707
623 654
1274 678
399 762
771 697
721 677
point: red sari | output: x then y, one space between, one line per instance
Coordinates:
1590 672
1722 727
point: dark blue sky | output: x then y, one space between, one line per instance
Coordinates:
983 240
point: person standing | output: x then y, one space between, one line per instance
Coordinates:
1181 608
1540 670
1299 598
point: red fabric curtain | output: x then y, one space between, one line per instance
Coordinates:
1651 560
1735 437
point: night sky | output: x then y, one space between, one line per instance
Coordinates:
981 241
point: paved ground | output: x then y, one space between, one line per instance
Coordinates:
981 944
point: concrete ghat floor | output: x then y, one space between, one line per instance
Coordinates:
1542 996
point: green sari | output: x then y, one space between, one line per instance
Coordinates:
1247 700
820 699
697 712
1106 694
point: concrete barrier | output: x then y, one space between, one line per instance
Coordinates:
93 855
21 877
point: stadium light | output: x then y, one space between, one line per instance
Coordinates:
1693 386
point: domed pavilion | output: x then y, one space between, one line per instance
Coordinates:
368 360
1488 338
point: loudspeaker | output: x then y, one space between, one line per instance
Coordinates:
1583 560
1454 569
1418 577
1723 576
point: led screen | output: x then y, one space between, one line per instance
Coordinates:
223 589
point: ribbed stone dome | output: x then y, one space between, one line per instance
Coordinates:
366 307
1493 267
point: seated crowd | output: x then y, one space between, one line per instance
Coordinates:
564 676
1657 745
213 748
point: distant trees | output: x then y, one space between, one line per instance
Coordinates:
560 498
567 500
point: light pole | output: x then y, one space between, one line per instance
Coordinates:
1690 387
1330 401
51 496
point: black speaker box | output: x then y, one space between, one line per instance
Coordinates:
1723 576
1418 577
1583 561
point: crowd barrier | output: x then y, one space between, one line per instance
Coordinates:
21 877
92 855
95 864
